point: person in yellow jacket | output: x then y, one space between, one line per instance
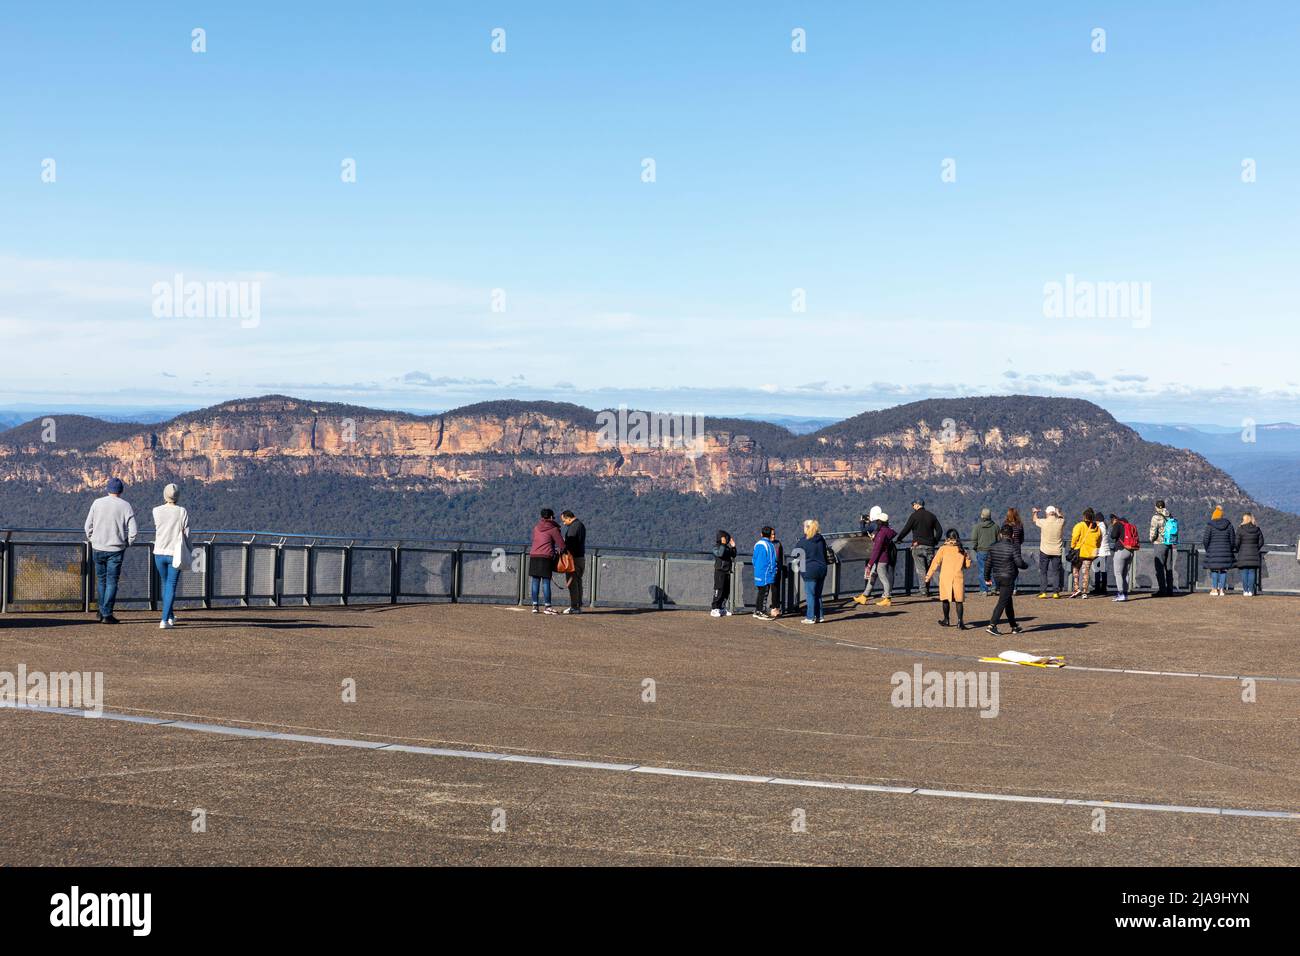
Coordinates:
950 562
1086 539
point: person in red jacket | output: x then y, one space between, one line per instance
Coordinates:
547 542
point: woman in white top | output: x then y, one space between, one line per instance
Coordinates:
171 548
1103 558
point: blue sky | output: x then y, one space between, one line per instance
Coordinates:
775 171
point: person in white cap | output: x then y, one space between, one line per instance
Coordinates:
1051 527
171 549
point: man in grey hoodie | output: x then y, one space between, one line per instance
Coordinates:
110 529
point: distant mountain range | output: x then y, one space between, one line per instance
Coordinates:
481 471
1264 459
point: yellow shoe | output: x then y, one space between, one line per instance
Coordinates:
884 602
1043 595
860 599
1055 596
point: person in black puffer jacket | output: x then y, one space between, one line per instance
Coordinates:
1220 544
1002 567
1250 554
724 553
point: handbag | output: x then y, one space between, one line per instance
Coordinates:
564 564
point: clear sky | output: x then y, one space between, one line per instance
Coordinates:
774 171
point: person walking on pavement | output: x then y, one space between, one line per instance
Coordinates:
1003 567
950 564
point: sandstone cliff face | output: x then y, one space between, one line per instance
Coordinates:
293 437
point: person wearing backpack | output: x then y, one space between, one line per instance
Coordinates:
1164 539
1125 542
1250 554
764 571
1220 543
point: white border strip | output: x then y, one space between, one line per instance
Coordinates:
224 730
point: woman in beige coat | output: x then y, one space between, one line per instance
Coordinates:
951 563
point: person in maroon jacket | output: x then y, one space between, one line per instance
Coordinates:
547 542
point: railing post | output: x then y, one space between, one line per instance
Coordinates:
393 566
309 574
345 582
457 573
595 576
152 571
207 575
4 572
277 575
662 585
85 577
246 600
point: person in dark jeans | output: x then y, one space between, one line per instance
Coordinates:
110 530
724 553
575 544
1003 566
926 534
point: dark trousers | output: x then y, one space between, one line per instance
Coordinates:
960 618
1006 603
762 593
922 555
1164 558
108 568
721 589
575 582
1050 571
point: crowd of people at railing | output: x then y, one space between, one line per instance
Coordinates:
994 550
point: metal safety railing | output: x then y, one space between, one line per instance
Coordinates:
54 570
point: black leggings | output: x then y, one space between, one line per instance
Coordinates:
1006 594
960 619
721 589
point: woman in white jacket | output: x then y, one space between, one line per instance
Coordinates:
1103 558
171 548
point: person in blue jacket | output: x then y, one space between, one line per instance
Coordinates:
810 552
765 558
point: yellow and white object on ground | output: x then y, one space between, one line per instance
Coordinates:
1027 660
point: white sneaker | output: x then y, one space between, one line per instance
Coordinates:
715 613
164 625
726 613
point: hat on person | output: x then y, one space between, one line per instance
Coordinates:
882 517
876 514
1051 510
115 486
171 493
985 513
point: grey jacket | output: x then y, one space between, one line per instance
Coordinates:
110 526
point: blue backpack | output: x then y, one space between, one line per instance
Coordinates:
1170 532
